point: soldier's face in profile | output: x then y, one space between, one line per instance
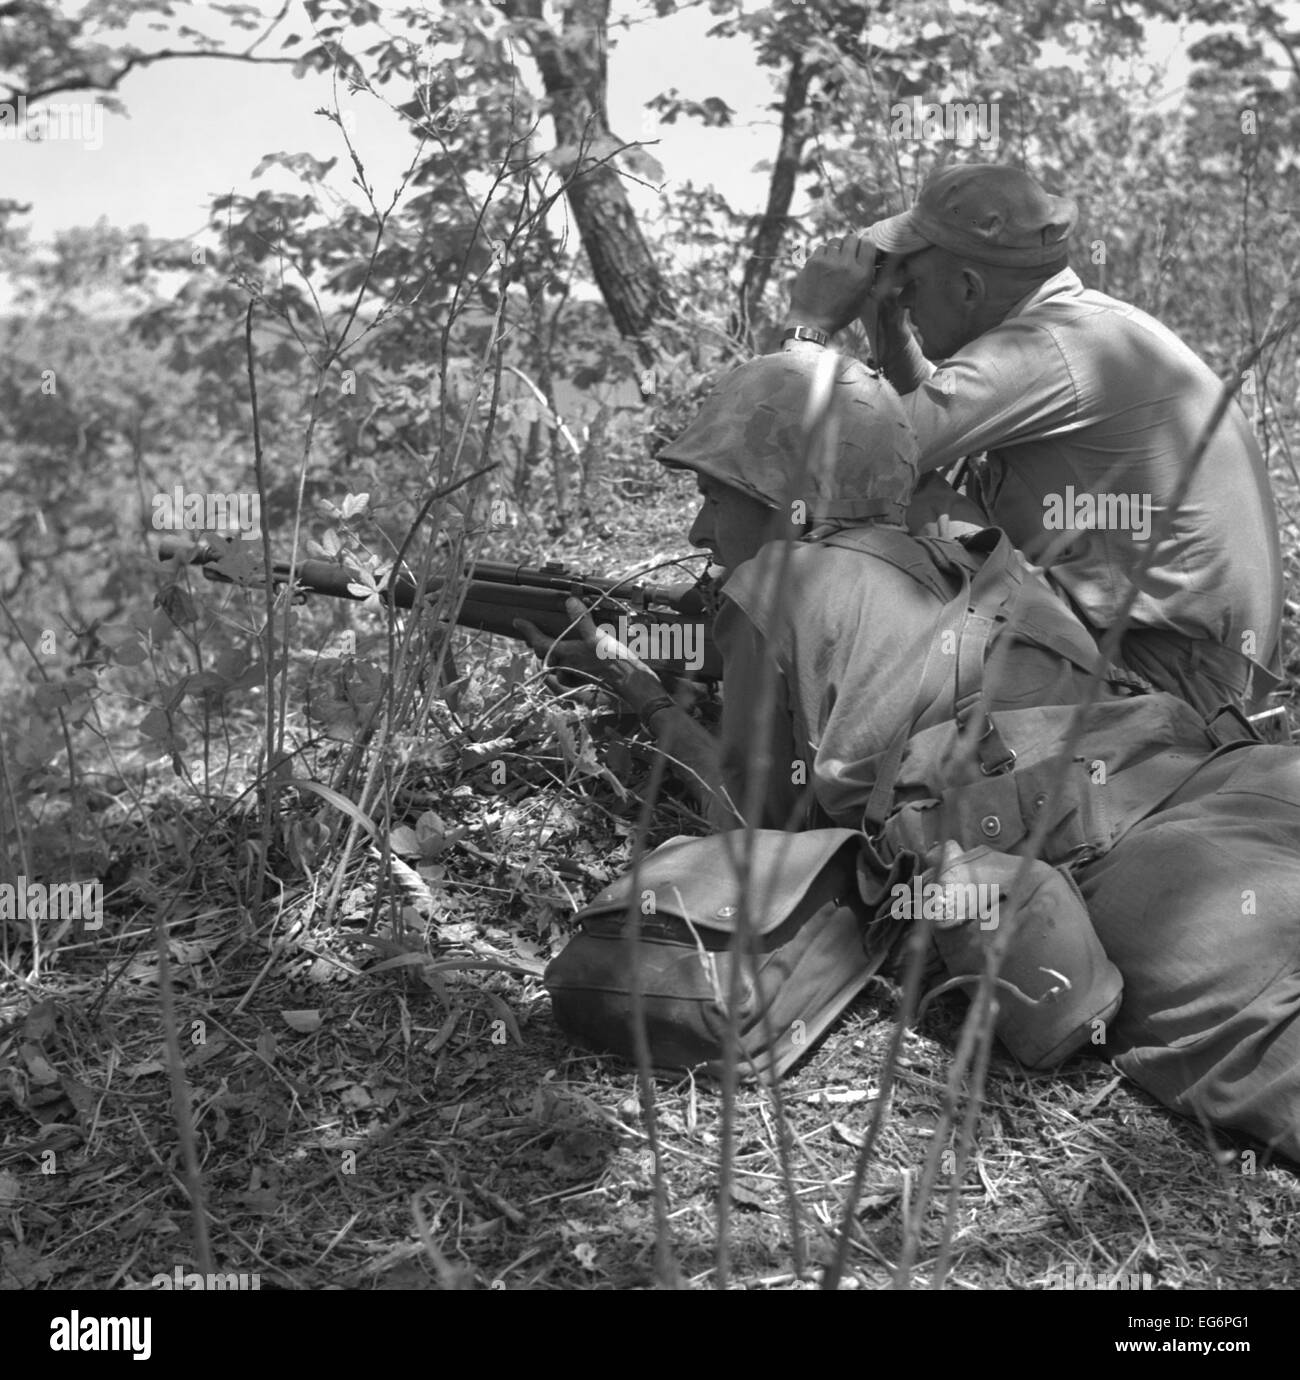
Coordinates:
731 525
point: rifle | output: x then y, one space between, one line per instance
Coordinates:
667 626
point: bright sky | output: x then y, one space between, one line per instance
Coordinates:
196 129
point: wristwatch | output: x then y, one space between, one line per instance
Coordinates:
810 333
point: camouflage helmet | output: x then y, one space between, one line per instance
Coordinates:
805 424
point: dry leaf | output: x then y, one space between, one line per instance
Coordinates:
849 1096
304 1022
848 1135
144 1068
748 1198
37 1065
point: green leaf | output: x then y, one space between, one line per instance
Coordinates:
340 802
404 841
156 725
429 830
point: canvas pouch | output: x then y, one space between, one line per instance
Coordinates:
778 917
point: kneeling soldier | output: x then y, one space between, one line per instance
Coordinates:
924 690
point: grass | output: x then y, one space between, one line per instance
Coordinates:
418 1138
374 1108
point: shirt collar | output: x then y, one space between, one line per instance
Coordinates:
1066 281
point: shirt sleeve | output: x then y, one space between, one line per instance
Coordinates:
761 756
1012 384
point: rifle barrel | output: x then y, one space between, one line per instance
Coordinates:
495 593
327 578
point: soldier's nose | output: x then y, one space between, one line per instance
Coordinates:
701 533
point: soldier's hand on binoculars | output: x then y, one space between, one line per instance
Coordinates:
882 316
832 287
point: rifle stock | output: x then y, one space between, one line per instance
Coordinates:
667 626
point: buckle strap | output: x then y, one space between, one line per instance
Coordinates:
1090 817
993 590
1229 725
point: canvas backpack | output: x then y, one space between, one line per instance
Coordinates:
768 924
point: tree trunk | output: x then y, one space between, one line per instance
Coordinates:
572 68
776 217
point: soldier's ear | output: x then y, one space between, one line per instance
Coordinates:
974 286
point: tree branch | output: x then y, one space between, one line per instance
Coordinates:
84 81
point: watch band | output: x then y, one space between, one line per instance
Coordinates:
810 333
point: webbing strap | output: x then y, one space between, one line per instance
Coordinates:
974 614
993 589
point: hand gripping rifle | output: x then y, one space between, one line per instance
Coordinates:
668 626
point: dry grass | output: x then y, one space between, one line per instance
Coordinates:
527 1163
417 1122
432 1128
